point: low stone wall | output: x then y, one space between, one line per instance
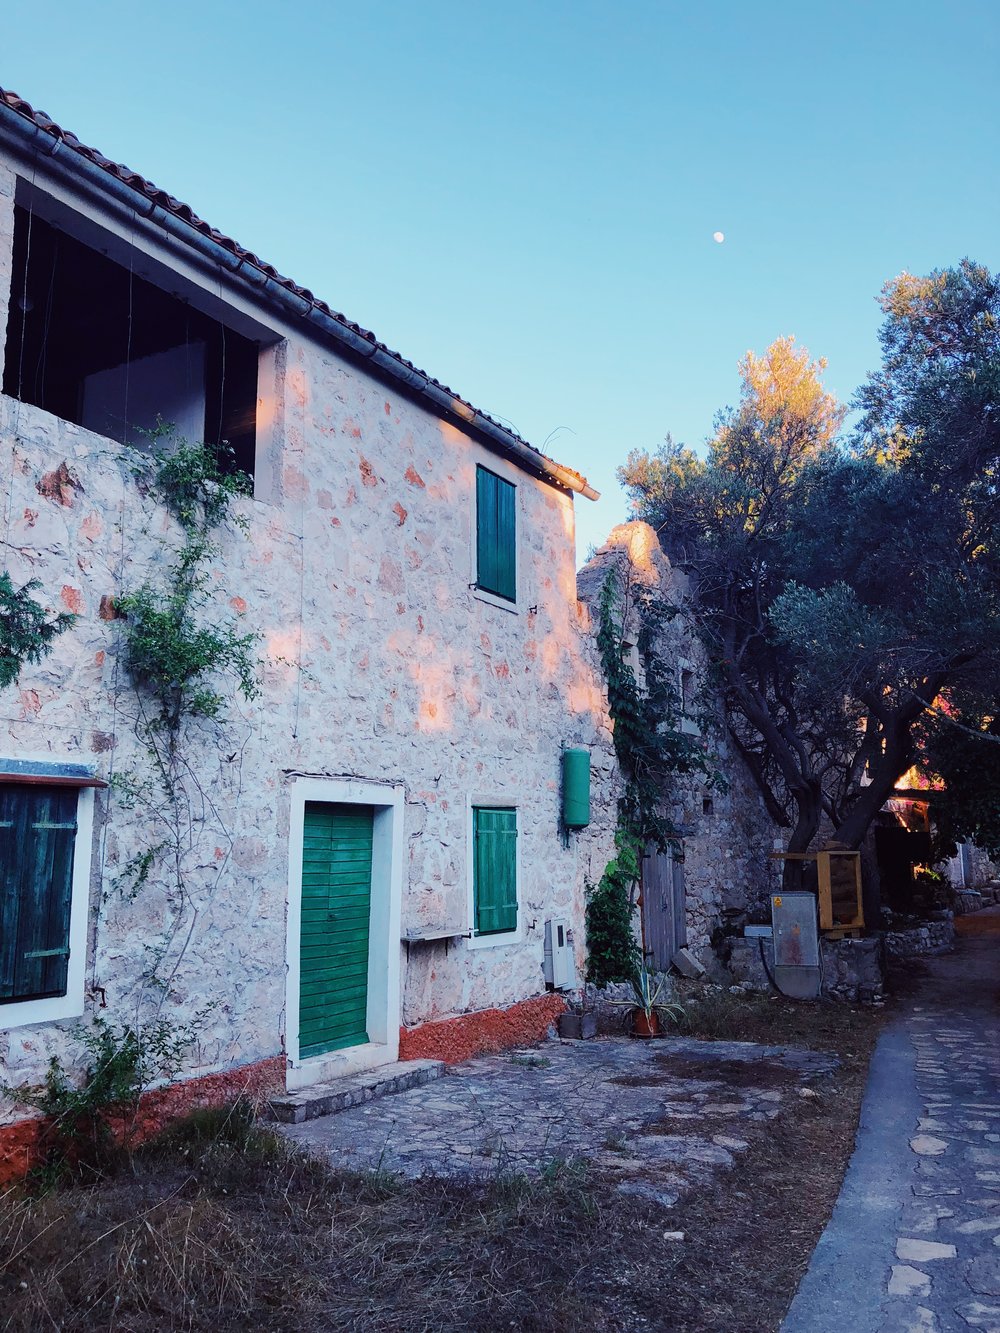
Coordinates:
928 938
746 963
612 1005
483 1033
20 1142
852 969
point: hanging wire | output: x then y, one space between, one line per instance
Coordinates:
222 380
41 366
119 579
8 517
302 559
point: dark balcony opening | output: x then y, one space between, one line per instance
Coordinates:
97 345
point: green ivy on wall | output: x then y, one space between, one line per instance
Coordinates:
652 748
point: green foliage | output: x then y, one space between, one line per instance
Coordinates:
962 749
171 656
198 483
652 749
841 587
612 951
27 630
178 652
651 745
648 994
78 1137
172 653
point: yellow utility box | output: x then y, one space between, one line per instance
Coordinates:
838 875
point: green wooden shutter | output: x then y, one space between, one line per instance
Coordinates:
496 534
495 870
336 912
37 837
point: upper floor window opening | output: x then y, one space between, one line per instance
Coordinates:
91 341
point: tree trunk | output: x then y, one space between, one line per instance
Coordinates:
794 875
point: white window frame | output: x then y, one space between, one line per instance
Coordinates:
509 474
52 1008
507 937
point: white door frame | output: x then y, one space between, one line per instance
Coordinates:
384 946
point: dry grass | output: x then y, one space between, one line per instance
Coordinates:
218 1234
749 1242
224 1227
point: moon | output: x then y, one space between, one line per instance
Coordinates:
718 237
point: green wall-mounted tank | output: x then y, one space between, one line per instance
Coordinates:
576 788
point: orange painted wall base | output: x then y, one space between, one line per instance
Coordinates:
19 1142
482 1033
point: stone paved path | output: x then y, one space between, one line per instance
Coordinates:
657 1117
913 1245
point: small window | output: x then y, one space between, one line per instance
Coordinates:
494 876
495 535
94 343
38 831
687 689
707 806
688 698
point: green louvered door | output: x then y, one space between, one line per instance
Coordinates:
336 908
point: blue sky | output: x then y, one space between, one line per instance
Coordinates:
520 197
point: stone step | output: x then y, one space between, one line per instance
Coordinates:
292 1108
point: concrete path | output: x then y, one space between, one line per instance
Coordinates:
913 1245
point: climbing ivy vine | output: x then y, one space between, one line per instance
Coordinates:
179 656
27 629
174 657
652 748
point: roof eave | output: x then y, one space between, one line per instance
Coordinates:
105 181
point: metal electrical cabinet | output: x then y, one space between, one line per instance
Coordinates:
796 944
559 966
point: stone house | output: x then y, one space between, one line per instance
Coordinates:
724 872
723 865
407 565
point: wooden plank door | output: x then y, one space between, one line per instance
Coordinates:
664 922
336 911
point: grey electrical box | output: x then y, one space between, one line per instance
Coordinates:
796 945
559 967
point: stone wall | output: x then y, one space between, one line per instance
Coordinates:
928 938
851 969
380 663
728 835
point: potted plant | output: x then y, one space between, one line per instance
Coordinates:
646 1004
645 1019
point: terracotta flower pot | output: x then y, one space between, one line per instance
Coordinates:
645 1025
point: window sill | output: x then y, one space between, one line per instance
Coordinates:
494 941
491 599
26 1013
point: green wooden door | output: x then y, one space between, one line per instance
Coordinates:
336 907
